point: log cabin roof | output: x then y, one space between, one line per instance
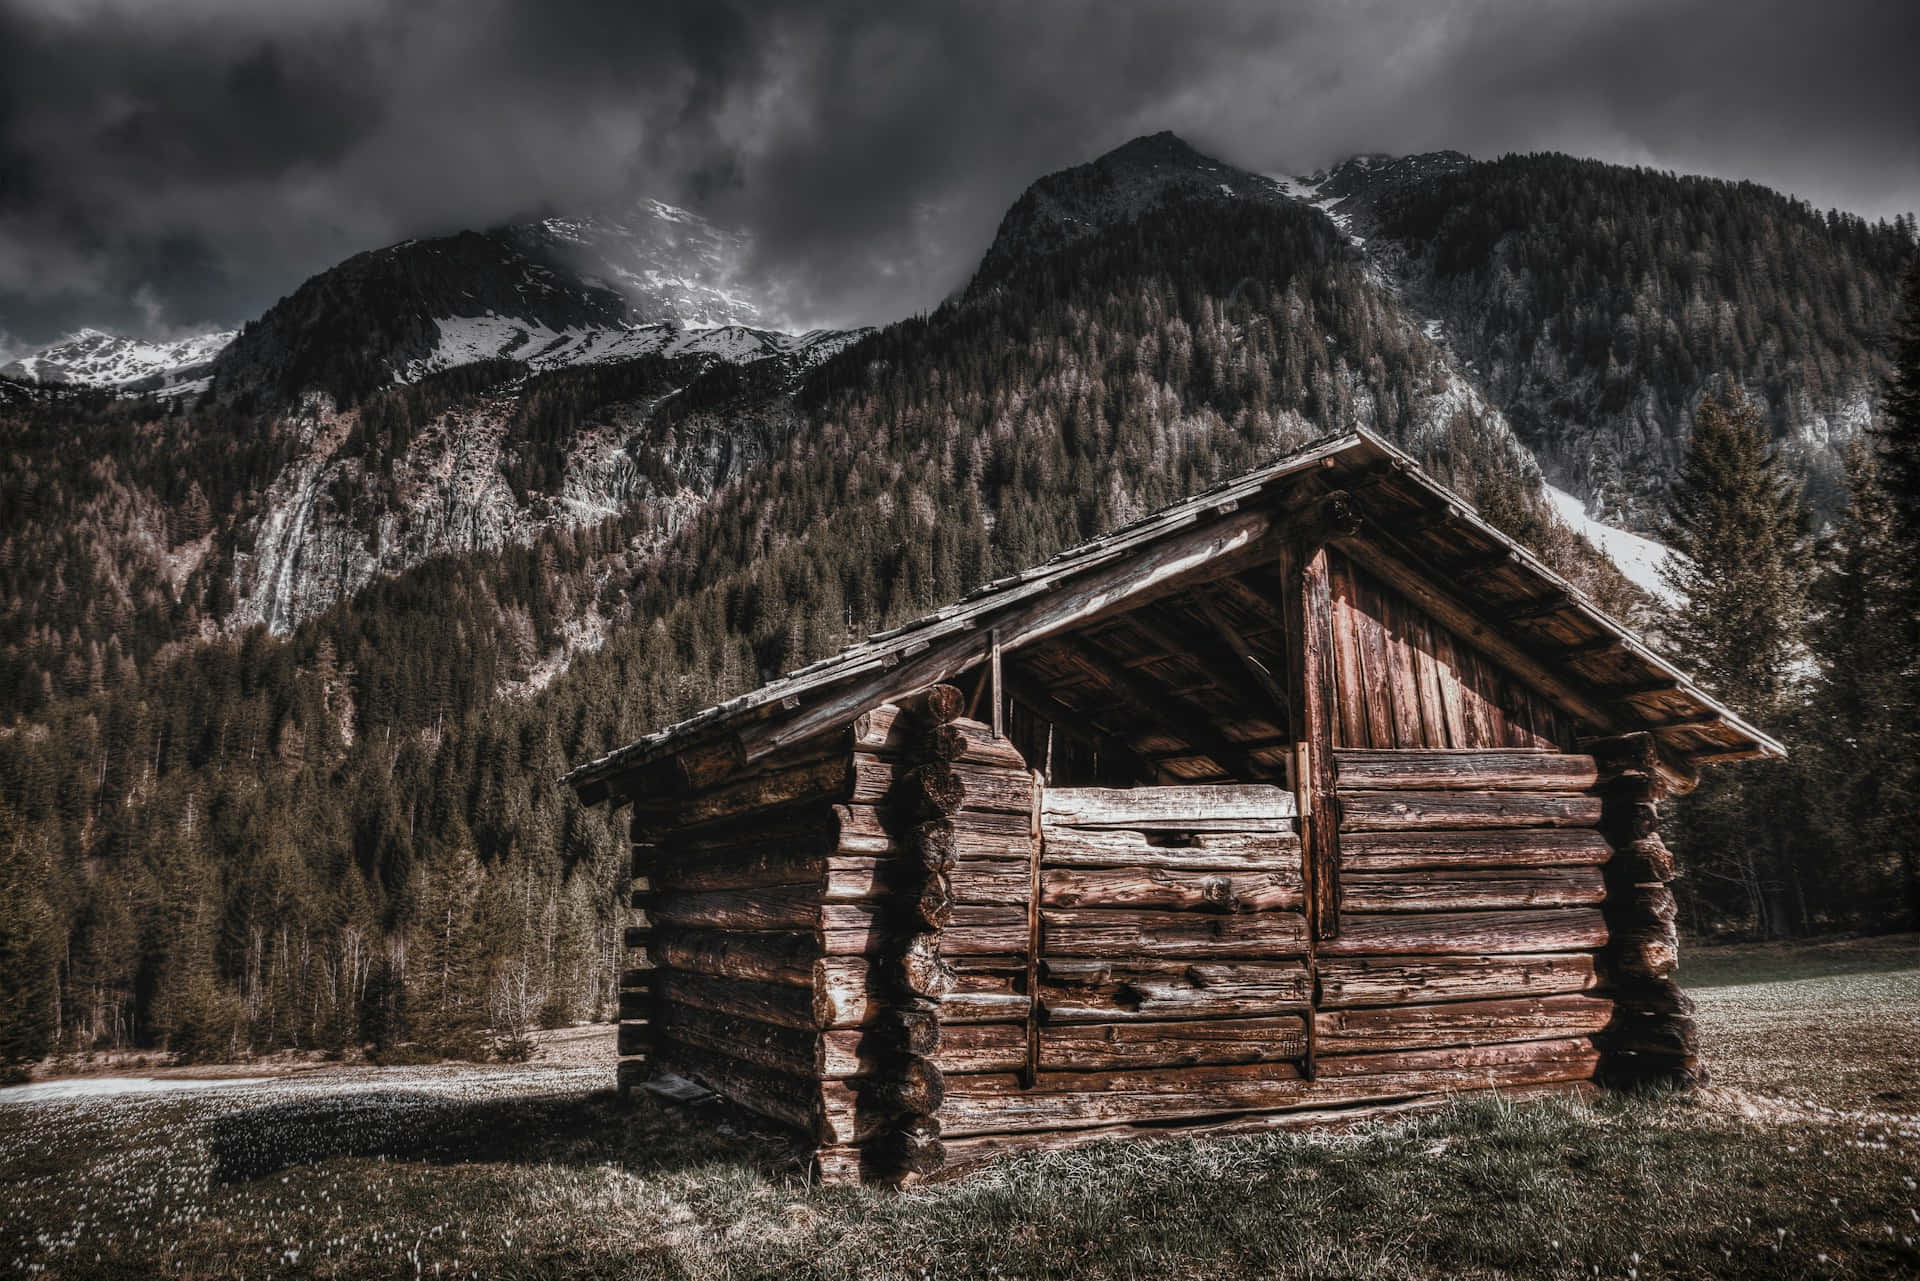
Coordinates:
1579 657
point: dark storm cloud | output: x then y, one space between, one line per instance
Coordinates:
171 166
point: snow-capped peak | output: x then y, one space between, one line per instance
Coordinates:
91 357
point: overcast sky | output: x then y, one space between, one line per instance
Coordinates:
171 165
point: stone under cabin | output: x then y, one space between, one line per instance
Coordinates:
1309 798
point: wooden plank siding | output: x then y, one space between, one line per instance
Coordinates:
1406 682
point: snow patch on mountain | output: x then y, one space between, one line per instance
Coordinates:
92 358
466 339
1640 559
669 263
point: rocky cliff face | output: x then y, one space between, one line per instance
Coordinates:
335 519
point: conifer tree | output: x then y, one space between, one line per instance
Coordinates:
1861 741
1899 426
1739 528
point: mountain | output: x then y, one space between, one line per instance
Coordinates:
1066 207
95 359
1597 305
287 670
654 280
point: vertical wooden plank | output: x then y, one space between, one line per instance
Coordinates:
1475 706
1349 724
1446 662
1373 661
1433 717
1395 616
999 694
1310 631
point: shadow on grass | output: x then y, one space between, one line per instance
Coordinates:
641 1135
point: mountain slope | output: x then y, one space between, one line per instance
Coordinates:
1597 305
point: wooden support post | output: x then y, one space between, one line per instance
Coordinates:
1309 600
1650 1039
999 698
1036 839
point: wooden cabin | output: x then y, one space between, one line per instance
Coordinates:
1306 798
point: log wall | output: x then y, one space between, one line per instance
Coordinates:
919 958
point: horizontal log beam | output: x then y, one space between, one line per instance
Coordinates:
1165 808
1457 811
996 1103
1172 935
1471 890
1415 1027
1110 992
1165 888
1412 851
1468 933
1519 769
1275 851
1362 980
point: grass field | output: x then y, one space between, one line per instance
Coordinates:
1800 1161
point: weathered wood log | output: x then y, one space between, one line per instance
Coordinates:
1307 602
1414 1027
1642 862
793 1007
858 1108
636 1003
985 997
985 834
792 1051
1108 992
828 778
974 1151
1643 949
791 1100
897 1034
1459 811
1149 808
634 1037
792 959
888 730
934 704
637 938
988 882
927 847
756 866
1472 890
637 979
1408 851
1468 933
1090 1047
1155 887
1514 769
777 907
929 791
1369 981
1172 935
974 931
1275 850
854 991
995 1103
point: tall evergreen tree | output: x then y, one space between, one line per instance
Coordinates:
1740 528
1859 726
1899 426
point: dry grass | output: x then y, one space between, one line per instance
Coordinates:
1795 1165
